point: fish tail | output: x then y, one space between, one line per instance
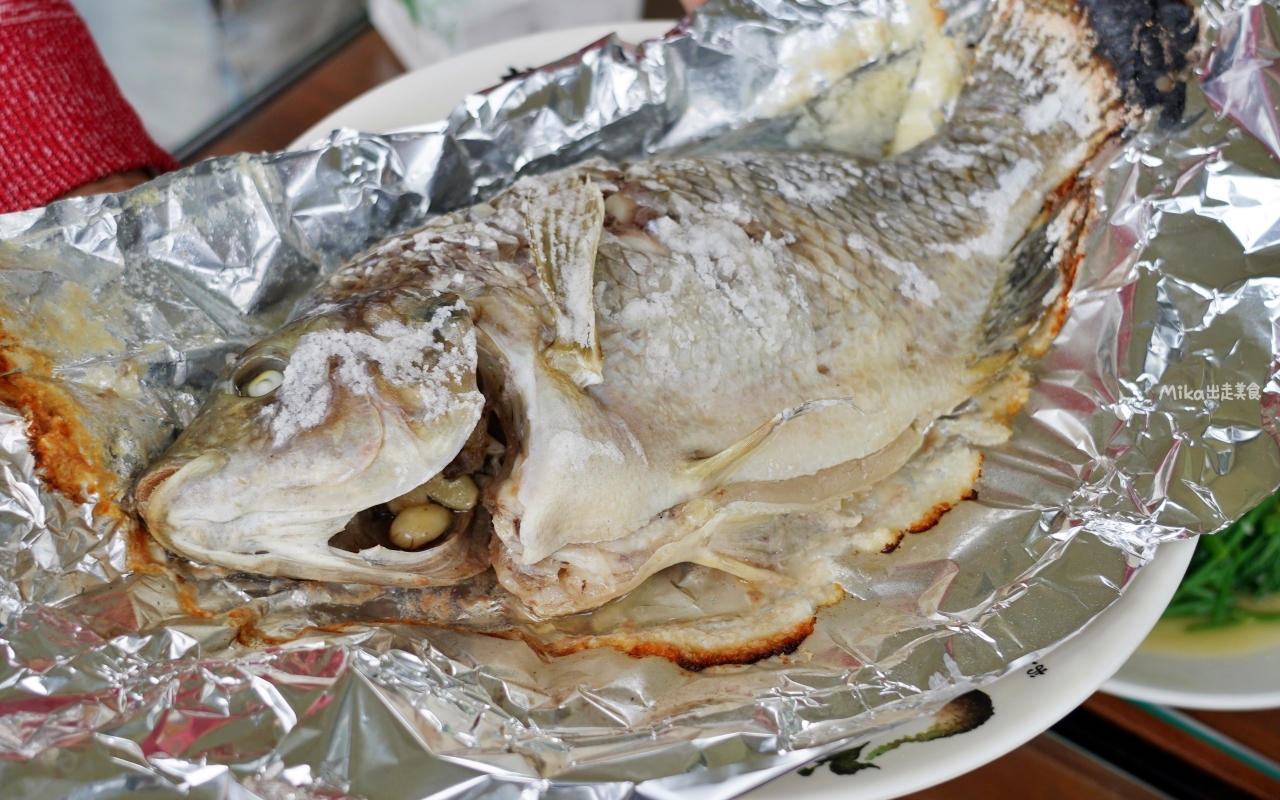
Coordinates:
1053 82
1068 71
1150 45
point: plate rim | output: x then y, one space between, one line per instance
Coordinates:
1131 687
348 114
1200 701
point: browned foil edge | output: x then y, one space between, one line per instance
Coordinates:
782 643
65 452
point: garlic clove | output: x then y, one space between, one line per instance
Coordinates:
621 208
414 497
419 525
459 495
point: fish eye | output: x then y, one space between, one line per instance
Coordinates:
259 376
265 383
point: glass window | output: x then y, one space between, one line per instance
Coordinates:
186 64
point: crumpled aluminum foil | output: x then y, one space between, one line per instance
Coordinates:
126 672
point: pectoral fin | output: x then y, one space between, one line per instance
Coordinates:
1040 271
841 480
564 230
714 470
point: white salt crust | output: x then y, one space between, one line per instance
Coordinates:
725 259
1063 91
803 181
914 285
405 356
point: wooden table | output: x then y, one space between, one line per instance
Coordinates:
1110 748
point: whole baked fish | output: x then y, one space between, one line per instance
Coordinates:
612 369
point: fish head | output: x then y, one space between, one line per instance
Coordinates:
339 411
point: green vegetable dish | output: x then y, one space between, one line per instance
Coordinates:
1232 572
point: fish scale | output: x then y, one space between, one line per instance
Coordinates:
868 306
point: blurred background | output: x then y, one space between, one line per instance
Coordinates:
199 70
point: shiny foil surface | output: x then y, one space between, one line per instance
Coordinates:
126 670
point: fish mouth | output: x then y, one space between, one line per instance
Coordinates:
366 541
368 534
362 552
151 480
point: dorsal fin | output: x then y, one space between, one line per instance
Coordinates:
564 227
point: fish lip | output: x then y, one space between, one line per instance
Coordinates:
312 558
150 481
160 479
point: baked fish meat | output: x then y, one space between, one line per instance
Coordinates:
612 369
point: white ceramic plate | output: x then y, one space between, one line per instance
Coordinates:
1026 703
1244 682
1243 675
429 94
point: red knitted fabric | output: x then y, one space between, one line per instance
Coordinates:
63 121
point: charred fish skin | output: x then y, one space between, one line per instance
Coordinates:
674 347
